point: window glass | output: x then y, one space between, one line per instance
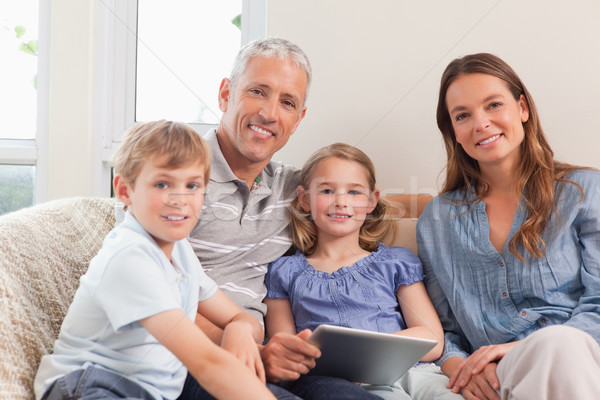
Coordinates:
16 187
184 49
18 46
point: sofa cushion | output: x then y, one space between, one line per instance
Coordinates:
43 251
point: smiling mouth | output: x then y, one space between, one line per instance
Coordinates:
339 216
174 217
261 130
489 140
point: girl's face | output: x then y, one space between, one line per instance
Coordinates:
338 197
487 120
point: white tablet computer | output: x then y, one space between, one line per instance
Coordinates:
366 356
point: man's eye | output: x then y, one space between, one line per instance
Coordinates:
255 91
289 104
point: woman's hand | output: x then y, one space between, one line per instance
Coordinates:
477 363
480 386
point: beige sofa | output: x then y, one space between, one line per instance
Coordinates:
46 248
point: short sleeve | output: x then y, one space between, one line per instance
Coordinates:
403 266
279 278
135 285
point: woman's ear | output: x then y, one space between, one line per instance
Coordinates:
524 109
122 189
303 199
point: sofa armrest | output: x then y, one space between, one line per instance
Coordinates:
43 251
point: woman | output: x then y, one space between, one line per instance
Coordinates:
511 246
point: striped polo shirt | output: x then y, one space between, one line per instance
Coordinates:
240 231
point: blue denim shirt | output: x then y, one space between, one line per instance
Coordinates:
485 297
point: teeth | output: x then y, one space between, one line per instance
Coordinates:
174 218
490 140
260 130
339 216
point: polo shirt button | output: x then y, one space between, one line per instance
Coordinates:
524 313
504 294
501 264
543 320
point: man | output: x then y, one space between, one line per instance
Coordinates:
244 224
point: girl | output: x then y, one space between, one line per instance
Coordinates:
514 238
341 273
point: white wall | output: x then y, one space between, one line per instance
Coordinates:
377 67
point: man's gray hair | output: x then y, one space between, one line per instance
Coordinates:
280 49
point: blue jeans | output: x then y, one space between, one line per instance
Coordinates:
316 387
193 391
93 383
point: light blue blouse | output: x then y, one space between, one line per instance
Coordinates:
359 296
485 297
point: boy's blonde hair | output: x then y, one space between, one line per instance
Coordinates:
377 224
177 141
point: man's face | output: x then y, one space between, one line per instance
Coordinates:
262 111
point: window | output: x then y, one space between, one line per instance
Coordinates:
184 49
18 102
169 59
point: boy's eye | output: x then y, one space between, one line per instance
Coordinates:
325 191
193 186
161 185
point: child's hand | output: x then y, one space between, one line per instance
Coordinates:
238 340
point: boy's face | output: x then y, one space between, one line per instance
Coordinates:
166 202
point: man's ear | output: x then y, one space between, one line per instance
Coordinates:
122 189
303 199
298 119
224 94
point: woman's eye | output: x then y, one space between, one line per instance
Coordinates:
460 117
495 105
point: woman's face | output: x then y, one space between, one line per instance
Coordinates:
487 120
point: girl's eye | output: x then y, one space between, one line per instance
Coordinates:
161 185
326 191
354 192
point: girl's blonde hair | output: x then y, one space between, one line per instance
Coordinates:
177 141
377 224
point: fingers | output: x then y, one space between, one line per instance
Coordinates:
286 356
479 388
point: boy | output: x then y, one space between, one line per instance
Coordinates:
130 330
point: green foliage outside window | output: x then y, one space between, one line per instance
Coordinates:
16 187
